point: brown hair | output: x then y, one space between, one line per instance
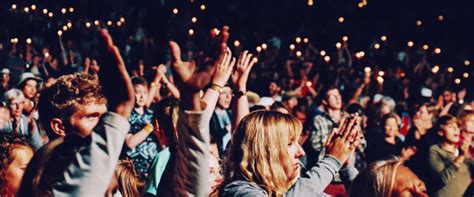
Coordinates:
62 98
127 178
10 143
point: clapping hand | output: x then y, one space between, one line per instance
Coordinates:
343 140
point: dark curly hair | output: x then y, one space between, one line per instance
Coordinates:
10 143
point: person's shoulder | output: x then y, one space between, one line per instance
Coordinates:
243 188
435 148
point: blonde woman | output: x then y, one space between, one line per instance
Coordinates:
387 178
263 159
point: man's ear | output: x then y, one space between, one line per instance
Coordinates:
440 133
57 126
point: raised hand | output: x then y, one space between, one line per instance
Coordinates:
224 67
113 75
242 71
186 76
343 141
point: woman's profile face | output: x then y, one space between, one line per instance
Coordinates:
391 127
295 152
408 184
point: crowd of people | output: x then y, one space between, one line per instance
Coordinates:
100 117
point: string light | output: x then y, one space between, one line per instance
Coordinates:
425 47
28 41
175 11
191 32
437 51
327 58
345 38
71 9
33 7
119 23
109 23
63 10
360 5
310 2
305 40
340 19
322 53
381 73
457 81
292 46
26 9
122 19
236 43
367 70
298 53
450 69
45 11
338 45
202 7
419 23
60 33
298 40
383 38
435 69
440 17
216 31
259 48
50 14
64 28
264 46
465 75
96 23
69 25
377 46
360 55
194 19
88 24
467 62
410 44
14 6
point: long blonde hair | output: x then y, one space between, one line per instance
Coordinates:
259 153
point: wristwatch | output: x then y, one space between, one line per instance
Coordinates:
240 93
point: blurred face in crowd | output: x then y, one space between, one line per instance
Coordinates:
30 89
295 152
274 89
141 95
87 116
448 96
16 107
4 117
225 98
334 100
408 184
17 168
5 77
215 170
292 103
391 127
424 114
469 125
450 133
385 110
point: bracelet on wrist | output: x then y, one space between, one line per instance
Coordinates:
216 87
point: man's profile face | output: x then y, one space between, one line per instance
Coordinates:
86 118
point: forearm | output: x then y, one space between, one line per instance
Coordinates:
241 109
154 87
133 140
210 97
93 166
173 90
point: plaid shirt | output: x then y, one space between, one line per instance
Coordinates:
322 126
